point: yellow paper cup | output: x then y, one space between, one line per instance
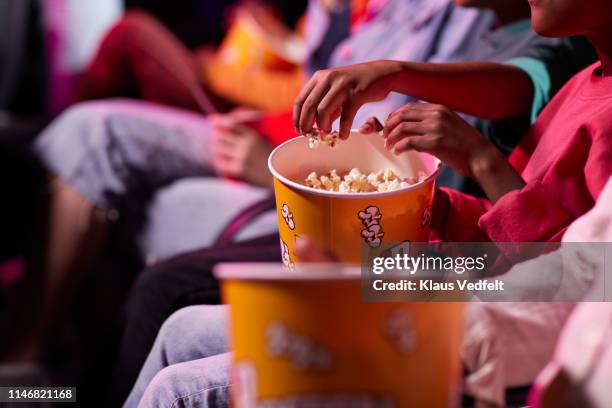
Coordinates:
304 338
344 222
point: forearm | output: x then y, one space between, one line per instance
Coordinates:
484 89
494 173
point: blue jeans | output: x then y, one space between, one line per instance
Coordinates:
153 163
189 363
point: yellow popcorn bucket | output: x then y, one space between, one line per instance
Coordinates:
303 338
257 38
346 222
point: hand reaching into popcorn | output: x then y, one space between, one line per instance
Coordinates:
435 129
340 93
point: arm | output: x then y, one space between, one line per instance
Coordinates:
437 130
506 89
464 86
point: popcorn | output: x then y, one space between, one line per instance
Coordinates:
318 136
357 182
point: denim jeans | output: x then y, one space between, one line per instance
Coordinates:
165 288
189 363
152 164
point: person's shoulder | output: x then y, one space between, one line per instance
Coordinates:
589 71
579 82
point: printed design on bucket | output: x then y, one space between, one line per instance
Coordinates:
373 232
398 328
302 352
285 255
426 218
288 217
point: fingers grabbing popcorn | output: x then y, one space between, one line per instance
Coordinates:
318 136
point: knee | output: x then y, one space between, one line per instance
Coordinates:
203 383
204 317
194 332
79 118
163 390
179 323
71 128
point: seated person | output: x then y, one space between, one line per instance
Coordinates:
564 162
109 158
190 359
166 279
579 372
140 57
124 156
514 81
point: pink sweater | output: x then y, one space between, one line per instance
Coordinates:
565 159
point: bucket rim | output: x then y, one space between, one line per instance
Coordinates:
336 194
277 272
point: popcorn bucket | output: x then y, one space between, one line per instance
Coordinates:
303 338
255 38
346 222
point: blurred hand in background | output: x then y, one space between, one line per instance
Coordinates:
239 151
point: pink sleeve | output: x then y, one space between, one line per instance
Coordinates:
598 167
455 217
530 214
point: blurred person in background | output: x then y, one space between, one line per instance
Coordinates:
47 45
32 326
262 49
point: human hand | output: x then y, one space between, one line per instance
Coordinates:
332 5
309 251
240 152
242 115
437 130
340 92
371 125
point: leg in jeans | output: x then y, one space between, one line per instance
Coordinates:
166 287
108 158
106 149
100 154
192 333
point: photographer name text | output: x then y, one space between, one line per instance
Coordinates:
432 285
